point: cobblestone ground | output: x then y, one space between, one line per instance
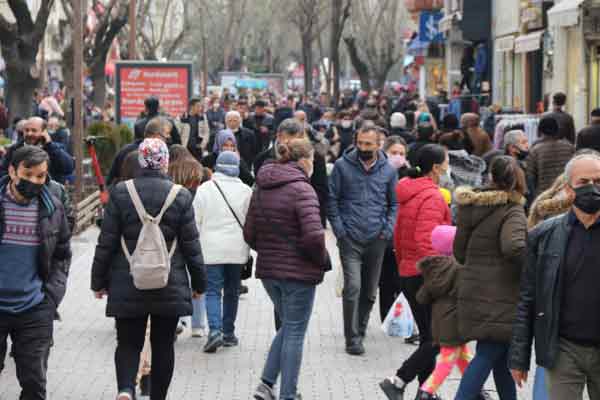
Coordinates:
81 364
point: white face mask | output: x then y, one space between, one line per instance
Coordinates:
346 124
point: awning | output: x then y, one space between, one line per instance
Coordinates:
504 44
566 13
529 42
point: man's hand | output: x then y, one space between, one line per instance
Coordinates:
520 377
196 295
100 294
46 137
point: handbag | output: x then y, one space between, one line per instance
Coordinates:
247 268
327 267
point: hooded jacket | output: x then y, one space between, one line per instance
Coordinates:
421 208
547 205
362 204
284 227
490 243
439 289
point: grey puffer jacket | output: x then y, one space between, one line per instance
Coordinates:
110 269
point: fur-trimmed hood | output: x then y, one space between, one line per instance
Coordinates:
547 205
467 196
476 205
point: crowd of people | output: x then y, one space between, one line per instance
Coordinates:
488 245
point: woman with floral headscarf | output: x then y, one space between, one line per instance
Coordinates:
111 276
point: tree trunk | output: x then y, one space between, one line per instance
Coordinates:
19 88
308 63
334 49
68 78
99 80
359 65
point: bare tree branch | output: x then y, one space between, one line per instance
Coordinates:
20 10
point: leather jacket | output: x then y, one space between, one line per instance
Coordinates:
538 312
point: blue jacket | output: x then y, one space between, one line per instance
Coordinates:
61 162
362 204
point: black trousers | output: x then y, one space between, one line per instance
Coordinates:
131 333
31 335
421 363
390 285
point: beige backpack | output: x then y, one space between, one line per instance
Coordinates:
150 262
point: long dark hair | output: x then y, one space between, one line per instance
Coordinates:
507 175
428 156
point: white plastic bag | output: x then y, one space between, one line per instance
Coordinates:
339 282
399 320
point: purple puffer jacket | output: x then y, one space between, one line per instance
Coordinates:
285 197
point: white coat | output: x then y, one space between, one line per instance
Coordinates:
221 237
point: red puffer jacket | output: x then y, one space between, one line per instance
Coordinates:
421 208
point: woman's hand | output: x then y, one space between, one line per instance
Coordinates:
100 294
196 295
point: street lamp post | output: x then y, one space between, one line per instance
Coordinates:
132 29
205 65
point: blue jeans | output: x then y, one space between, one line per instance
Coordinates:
539 385
222 290
489 356
199 315
293 303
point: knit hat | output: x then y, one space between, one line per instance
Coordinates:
442 239
153 154
398 120
548 126
222 137
228 163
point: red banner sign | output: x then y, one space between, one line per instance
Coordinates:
136 81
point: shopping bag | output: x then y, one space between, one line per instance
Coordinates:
339 282
399 320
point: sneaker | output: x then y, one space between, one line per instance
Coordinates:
414 339
264 392
243 289
214 342
422 395
198 332
230 341
180 328
391 389
356 348
124 396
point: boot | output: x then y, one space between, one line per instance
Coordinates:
145 385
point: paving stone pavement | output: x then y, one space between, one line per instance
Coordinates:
81 363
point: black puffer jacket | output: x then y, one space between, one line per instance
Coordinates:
110 269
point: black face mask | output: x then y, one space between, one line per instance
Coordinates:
28 189
587 198
523 154
366 155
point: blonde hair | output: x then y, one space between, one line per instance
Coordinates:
186 171
295 150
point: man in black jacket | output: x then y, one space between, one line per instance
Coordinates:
157 127
559 298
566 125
152 107
246 141
263 125
36 256
199 129
36 133
589 137
292 129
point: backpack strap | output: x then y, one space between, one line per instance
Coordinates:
143 215
137 202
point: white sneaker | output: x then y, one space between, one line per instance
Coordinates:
124 396
198 332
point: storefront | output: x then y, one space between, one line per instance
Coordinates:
575 32
528 48
507 77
